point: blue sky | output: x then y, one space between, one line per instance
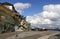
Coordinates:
36 5
41 11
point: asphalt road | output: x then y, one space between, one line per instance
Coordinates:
6 35
26 35
38 35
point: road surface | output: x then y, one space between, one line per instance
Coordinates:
6 35
26 35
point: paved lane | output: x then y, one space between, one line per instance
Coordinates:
32 35
37 35
6 35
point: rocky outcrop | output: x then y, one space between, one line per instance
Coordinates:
9 18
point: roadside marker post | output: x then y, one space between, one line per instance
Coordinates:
16 31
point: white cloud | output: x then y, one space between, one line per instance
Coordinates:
46 21
21 6
49 16
52 8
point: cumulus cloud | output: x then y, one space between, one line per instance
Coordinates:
49 17
21 6
52 8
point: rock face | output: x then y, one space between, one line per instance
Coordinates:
9 18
